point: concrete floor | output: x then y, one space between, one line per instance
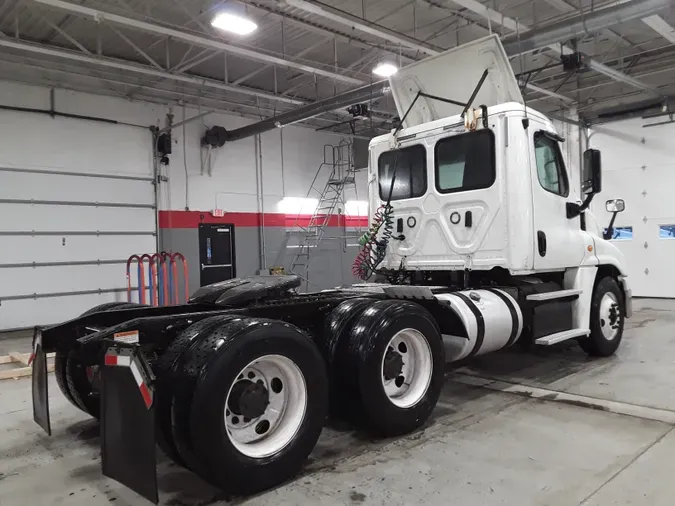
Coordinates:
485 444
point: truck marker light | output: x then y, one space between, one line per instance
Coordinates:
590 248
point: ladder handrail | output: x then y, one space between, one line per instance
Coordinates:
342 174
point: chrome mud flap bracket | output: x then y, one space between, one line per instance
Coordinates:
128 419
40 390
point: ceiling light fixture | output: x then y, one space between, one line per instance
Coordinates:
233 23
385 69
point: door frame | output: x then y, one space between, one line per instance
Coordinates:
233 242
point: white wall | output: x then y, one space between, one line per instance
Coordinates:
34 141
232 185
639 167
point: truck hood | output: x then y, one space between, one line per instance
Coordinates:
453 75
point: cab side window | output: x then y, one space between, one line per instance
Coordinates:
550 165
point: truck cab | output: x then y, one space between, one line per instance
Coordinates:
480 194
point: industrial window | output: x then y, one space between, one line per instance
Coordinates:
465 162
550 165
622 234
411 173
667 231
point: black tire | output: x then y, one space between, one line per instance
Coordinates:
334 348
596 344
209 373
167 370
71 375
363 371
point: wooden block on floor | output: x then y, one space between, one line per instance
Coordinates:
20 359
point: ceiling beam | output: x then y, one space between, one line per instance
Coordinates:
362 25
241 52
565 7
46 50
549 93
135 47
568 29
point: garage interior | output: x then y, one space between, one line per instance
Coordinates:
136 127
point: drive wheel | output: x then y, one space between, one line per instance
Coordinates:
258 404
335 347
167 369
73 378
607 319
396 363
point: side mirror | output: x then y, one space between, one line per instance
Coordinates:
592 172
615 206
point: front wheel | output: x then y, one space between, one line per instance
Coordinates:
607 319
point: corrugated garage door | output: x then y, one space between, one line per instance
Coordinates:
76 200
639 166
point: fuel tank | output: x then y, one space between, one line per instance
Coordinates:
491 319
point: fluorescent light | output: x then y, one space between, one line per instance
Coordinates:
385 69
233 23
298 205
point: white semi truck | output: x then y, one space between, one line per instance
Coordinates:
481 238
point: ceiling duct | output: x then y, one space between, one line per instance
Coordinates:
582 25
217 136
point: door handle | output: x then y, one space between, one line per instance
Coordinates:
468 219
541 243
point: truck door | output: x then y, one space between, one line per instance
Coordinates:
558 242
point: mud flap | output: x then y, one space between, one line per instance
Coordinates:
40 387
128 420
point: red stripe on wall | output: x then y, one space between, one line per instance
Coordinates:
192 219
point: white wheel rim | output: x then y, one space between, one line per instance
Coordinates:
610 316
267 434
412 382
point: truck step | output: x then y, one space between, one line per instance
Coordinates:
560 294
559 337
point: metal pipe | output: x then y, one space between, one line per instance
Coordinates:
76 203
184 121
75 174
152 276
365 93
155 187
572 28
52 113
261 236
141 293
61 264
262 204
29 233
175 276
62 294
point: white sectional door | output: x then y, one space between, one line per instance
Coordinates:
76 200
639 167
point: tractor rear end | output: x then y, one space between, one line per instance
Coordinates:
237 387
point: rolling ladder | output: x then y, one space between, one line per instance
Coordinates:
331 201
